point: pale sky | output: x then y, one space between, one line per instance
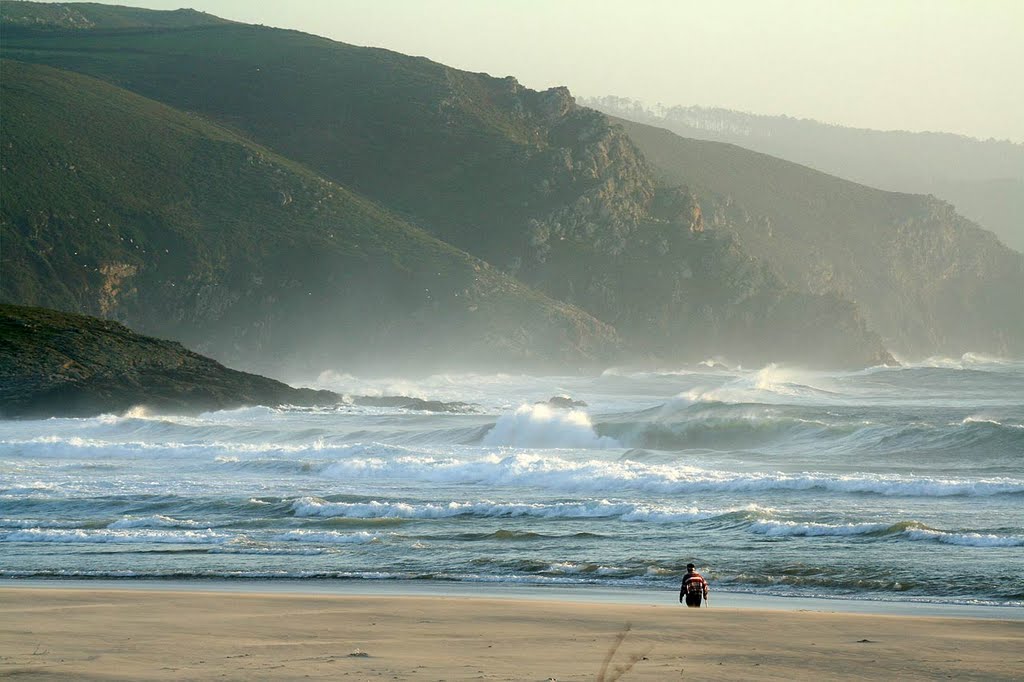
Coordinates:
942 65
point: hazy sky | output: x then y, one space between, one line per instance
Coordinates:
945 65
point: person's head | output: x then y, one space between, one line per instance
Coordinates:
689 568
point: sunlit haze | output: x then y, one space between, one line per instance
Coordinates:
938 65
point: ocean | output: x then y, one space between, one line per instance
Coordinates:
890 484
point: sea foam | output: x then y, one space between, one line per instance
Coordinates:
102 536
595 509
329 537
604 476
156 521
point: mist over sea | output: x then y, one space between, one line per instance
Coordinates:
901 484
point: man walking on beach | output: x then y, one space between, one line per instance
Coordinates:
694 588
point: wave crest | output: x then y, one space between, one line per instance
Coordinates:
810 529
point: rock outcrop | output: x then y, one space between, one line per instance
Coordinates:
62 364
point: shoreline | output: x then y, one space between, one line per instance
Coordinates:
594 594
143 634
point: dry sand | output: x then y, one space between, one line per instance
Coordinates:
150 634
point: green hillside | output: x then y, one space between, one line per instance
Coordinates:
547 191
119 206
462 153
927 279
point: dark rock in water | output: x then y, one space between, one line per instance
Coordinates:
407 403
61 364
563 401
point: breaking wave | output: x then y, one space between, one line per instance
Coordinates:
682 424
541 426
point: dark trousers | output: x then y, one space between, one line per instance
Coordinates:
693 600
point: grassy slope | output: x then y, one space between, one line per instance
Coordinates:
428 141
117 205
56 363
527 180
926 278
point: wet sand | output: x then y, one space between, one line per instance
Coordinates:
137 634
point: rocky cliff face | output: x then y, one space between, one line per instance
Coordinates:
928 280
601 234
60 364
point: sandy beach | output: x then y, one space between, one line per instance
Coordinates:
152 634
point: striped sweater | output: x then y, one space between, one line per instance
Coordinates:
693 583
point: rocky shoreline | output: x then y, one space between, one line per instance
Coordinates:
57 364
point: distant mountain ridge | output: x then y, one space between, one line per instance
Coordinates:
983 179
